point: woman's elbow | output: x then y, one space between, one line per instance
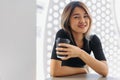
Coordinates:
105 73
53 73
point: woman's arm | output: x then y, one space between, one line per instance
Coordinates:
73 51
99 66
57 70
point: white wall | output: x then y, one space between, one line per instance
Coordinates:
41 14
17 40
117 13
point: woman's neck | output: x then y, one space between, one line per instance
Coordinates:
78 36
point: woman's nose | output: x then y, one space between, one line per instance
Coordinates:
82 20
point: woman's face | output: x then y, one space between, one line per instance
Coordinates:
79 21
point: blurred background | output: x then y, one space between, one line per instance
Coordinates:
106 24
17 40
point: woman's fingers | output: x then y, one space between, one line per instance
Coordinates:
64 47
62 53
66 57
61 49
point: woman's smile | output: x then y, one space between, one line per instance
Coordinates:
82 26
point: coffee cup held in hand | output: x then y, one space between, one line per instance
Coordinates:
62 40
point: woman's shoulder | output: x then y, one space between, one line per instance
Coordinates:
94 39
62 33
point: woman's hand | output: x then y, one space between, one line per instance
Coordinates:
69 50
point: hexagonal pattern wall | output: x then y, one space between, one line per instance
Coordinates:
103 25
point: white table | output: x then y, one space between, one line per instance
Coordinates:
84 77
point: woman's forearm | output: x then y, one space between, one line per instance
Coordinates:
67 71
99 66
64 70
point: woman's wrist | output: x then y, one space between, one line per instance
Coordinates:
80 53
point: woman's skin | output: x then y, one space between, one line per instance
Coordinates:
79 22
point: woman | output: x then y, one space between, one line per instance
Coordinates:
76 23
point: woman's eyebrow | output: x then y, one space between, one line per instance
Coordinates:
74 14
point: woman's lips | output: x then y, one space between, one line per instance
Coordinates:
81 26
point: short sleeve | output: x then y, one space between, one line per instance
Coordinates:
60 34
96 47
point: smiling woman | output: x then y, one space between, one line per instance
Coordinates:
76 23
103 25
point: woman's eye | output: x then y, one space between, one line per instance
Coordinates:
76 16
86 16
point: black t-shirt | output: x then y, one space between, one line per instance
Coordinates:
93 45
